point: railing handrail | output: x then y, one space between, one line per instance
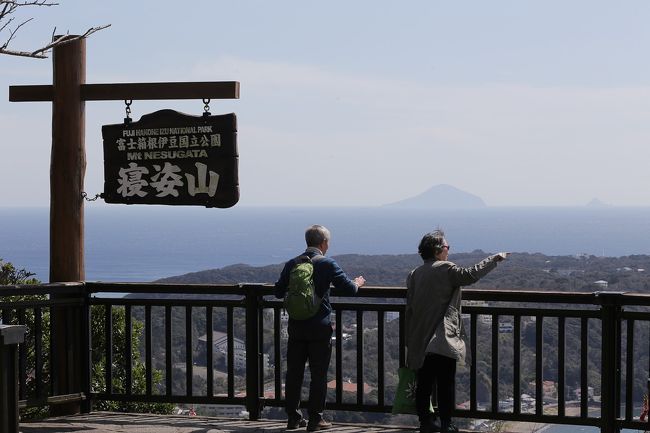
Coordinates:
499 295
42 289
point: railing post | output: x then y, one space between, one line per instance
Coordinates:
610 303
253 388
10 337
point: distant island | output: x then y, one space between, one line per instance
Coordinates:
444 196
597 203
441 196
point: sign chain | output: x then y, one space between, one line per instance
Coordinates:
85 196
206 107
128 103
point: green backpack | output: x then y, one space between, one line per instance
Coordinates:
301 300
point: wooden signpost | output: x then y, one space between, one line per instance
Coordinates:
68 94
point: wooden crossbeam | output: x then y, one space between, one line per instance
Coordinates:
133 91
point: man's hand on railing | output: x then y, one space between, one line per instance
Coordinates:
502 256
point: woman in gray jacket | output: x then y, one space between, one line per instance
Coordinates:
433 326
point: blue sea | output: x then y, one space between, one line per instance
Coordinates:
145 243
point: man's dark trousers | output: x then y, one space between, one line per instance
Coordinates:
299 351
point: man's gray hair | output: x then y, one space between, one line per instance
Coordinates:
315 235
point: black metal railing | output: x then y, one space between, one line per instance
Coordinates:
544 357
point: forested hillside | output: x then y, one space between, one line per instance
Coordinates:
520 271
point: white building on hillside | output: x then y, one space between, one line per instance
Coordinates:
220 345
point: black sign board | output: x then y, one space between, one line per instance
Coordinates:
172 158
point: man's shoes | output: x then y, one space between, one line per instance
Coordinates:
318 425
296 423
448 427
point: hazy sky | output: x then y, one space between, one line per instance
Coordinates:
368 102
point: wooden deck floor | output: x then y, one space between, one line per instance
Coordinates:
119 422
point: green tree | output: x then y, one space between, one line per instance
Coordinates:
120 363
10 275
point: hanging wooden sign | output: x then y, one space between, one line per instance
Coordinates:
172 158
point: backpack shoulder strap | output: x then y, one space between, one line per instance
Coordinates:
303 258
317 258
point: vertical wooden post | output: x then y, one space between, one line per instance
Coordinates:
68 164
67 170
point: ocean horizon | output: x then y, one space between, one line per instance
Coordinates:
146 243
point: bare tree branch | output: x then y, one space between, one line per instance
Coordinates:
4 10
22 54
61 40
6 24
7 7
13 32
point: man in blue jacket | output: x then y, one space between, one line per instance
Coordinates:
311 339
